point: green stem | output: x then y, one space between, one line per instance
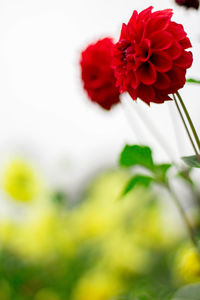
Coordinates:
186 128
184 217
153 129
135 128
189 120
192 80
148 125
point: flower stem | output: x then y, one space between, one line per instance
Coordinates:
189 120
184 217
155 133
149 125
186 128
135 128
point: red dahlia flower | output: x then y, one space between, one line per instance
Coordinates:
188 3
97 73
150 58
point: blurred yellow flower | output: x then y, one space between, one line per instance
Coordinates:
20 181
65 236
36 237
122 254
150 231
188 265
42 236
96 286
98 215
109 186
91 220
7 232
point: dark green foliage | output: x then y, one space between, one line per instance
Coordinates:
137 180
141 156
191 161
137 156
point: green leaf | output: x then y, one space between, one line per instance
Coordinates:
192 80
138 180
161 172
191 161
189 292
137 156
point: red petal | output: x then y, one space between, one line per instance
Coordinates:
104 94
117 62
161 97
161 40
143 50
177 31
134 17
108 103
133 79
161 61
165 12
177 77
145 14
146 93
147 73
131 31
135 31
123 31
158 23
162 82
122 81
185 43
175 50
132 92
185 60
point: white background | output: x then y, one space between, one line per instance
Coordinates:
44 112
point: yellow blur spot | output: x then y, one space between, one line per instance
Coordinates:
189 265
96 286
122 255
7 232
20 180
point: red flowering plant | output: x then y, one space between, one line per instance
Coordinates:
149 62
97 75
188 3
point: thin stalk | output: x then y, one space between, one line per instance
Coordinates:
133 126
186 128
184 217
189 120
149 126
173 116
154 132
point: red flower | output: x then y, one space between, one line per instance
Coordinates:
97 73
150 59
188 3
